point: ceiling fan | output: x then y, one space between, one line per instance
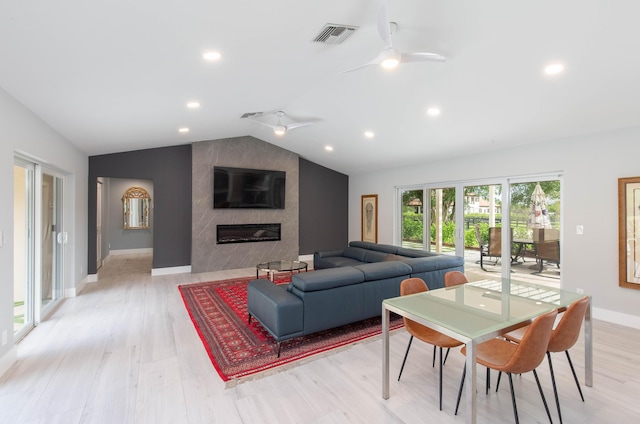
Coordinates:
279 128
390 57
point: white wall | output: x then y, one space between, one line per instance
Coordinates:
21 130
590 165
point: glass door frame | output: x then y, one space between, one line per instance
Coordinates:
29 248
58 240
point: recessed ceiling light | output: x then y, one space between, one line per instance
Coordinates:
369 134
184 130
554 69
193 105
328 148
433 111
211 56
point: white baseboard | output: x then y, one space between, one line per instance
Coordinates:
8 359
171 270
130 251
80 285
627 320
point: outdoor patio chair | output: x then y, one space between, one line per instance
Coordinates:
493 248
548 251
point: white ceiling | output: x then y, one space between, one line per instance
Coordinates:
115 75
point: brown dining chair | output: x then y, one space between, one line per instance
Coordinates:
421 332
563 337
504 356
451 279
454 278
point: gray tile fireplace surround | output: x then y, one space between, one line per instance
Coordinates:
241 152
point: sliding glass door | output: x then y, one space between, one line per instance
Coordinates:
23 247
38 244
498 225
52 240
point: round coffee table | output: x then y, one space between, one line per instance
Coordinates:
272 267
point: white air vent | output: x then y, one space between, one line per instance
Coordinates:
251 115
334 34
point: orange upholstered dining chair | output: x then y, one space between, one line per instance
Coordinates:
451 279
504 356
454 278
419 331
563 337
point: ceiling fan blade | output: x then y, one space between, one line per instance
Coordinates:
297 125
376 61
263 123
422 57
384 29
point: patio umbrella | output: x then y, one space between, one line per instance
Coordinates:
538 217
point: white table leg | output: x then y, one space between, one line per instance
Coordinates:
385 353
588 347
470 392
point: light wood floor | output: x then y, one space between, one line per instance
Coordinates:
125 351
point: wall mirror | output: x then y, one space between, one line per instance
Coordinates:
135 206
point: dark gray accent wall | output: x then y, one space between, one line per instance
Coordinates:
324 208
170 170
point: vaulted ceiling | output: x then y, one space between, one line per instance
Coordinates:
116 75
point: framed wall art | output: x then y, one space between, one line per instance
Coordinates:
370 217
629 232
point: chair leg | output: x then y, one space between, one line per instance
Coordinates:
446 356
464 374
405 357
440 381
553 384
488 381
433 361
279 348
544 401
249 322
575 377
498 382
513 399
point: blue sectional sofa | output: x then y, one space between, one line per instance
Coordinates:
347 286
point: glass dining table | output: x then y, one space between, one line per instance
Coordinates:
476 312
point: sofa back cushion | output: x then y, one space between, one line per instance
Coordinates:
356 253
415 253
373 256
325 279
383 270
386 248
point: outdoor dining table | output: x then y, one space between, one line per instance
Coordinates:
476 312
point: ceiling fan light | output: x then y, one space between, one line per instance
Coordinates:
390 59
279 129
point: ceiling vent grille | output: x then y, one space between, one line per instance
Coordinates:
334 34
251 115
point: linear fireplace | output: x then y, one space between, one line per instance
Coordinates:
243 233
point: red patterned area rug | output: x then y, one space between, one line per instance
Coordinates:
239 351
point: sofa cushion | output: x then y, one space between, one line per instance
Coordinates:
415 253
387 248
437 262
382 270
392 257
356 253
374 256
326 279
334 262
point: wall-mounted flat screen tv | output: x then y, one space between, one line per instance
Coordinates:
242 188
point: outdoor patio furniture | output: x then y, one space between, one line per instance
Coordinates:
493 249
548 251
